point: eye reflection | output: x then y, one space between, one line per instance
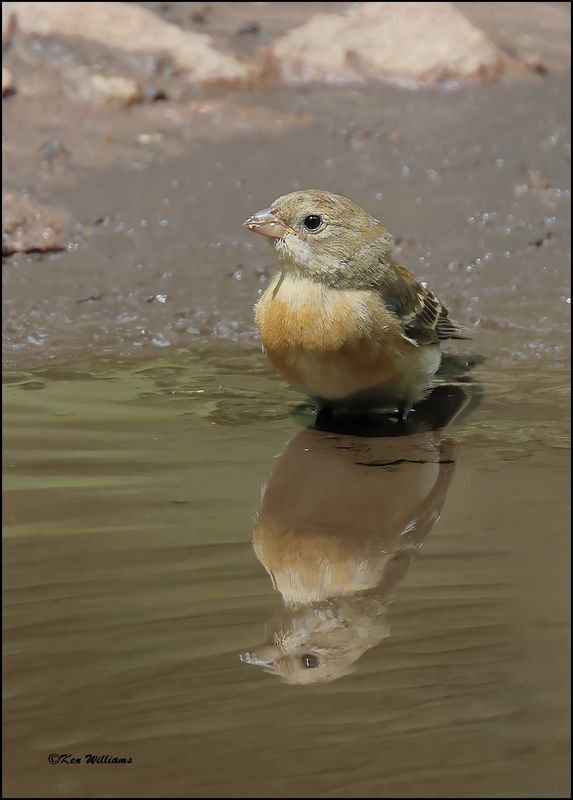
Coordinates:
312 222
310 661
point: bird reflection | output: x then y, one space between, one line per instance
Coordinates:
344 512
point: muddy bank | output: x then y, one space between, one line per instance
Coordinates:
146 195
475 187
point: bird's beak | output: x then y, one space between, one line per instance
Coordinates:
261 656
267 224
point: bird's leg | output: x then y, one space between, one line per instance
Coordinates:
403 411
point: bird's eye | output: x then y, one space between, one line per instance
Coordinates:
310 661
312 222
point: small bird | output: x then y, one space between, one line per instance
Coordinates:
343 321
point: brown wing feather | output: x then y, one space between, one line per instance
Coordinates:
422 315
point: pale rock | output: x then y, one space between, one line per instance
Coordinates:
87 87
28 226
129 28
416 42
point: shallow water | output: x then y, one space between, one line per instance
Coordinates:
132 586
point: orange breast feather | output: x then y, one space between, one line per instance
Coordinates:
325 339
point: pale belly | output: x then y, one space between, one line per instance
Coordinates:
387 376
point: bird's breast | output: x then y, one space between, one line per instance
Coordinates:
327 342
299 314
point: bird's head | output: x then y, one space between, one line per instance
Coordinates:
324 236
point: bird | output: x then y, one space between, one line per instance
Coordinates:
342 320
336 556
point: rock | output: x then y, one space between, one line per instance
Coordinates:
28 226
7 82
87 87
416 42
114 89
129 28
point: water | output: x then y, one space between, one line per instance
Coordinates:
133 492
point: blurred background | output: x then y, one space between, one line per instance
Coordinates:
141 419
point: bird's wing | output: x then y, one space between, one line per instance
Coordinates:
424 319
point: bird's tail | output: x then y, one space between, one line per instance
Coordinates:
448 328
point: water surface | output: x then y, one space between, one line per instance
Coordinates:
132 587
